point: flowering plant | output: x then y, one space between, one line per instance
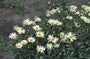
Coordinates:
59 34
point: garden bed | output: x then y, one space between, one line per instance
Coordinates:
10 17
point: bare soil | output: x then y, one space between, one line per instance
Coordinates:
9 17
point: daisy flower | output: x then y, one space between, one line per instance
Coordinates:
49 46
62 34
18 45
83 17
37 27
56 45
52 39
51 21
48 13
40 34
58 22
22 31
26 22
40 49
24 42
86 20
63 37
53 11
83 6
13 36
78 13
17 28
87 9
71 36
73 7
31 39
37 19
69 17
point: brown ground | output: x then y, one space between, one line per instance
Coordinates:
10 17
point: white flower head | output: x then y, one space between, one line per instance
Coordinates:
37 27
83 6
24 42
49 46
13 36
62 34
71 36
19 45
48 13
51 38
31 39
83 17
87 20
58 22
22 31
52 21
73 7
77 13
37 19
40 49
87 9
53 11
56 45
63 37
17 28
26 22
40 34
69 17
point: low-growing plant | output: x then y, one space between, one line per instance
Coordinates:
59 34
15 4
3 44
49 4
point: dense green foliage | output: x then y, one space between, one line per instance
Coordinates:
15 4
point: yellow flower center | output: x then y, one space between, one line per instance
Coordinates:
17 29
21 32
26 23
55 11
88 9
52 39
48 46
73 7
36 28
24 43
13 36
40 49
57 22
18 46
63 37
31 40
52 22
71 37
39 34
